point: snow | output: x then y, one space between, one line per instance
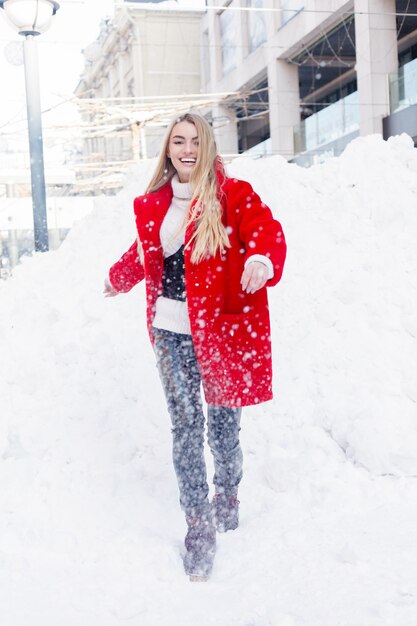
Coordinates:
90 526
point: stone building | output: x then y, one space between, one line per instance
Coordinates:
312 74
145 60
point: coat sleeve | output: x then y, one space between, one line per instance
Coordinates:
127 271
258 230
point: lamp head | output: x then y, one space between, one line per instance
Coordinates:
29 17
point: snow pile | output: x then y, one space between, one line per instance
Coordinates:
90 527
346 311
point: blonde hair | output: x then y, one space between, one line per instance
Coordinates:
209 235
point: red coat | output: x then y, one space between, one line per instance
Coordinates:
230 328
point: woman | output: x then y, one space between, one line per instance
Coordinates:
207 248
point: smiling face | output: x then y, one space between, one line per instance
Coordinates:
183 149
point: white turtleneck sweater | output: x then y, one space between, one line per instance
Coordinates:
173 314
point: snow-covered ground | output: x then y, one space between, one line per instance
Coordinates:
90 527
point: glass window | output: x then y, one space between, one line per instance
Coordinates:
131 87
256 24
206 57
290 8
228 37
407 55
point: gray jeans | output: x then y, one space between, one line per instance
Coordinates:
178 370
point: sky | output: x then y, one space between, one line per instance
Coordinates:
60 54
61 61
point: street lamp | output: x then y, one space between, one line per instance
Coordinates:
31 18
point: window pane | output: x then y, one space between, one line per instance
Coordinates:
290 9
206 57
256 25
228 35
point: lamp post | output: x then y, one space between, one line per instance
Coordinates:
31 18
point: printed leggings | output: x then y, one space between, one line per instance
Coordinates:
178 370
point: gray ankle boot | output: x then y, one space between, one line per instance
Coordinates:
226 512
200 544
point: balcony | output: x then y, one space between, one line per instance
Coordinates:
328 125
403 87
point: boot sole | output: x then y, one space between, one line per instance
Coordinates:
198 579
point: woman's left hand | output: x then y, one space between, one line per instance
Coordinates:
254 276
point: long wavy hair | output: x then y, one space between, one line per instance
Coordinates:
209 235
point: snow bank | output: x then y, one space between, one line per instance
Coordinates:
90 528
345 313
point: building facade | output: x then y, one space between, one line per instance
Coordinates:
145 59
312 74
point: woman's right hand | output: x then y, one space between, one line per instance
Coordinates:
109 291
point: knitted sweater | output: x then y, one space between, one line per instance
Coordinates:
172 314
